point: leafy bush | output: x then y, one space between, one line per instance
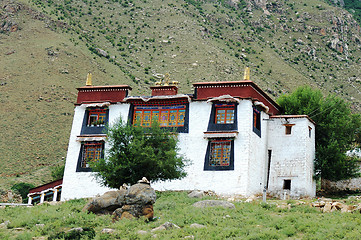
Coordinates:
22 189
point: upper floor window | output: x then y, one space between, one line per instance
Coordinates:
96 117
167 116
257 121
95 120
90 152
223 117
224 114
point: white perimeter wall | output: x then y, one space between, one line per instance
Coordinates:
292 157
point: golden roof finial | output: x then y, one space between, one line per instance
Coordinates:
89 79
246 74
166 79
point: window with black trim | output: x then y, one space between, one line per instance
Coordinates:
96 117
219 155
89 152
257 121
223 117
173 116
167 116
95 120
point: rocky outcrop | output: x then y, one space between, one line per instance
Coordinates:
133 202
328 205
10 197
106 203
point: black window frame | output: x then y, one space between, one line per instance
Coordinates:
94 129
213 126
207 166
181 129
79 168
256 122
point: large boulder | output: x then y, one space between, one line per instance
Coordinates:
140 193
134 211
136 201
106 203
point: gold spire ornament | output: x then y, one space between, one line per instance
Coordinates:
166 81
246 73
88 79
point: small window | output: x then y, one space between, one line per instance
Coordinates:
287 184
309 132
90 152
219 155
97 117
288 128
257 121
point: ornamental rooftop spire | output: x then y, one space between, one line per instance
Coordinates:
89 79
246 74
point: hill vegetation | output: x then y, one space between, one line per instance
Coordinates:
48 47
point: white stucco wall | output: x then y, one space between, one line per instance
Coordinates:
292 157
258 156
84 184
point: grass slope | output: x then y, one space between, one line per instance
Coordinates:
246 221
286 44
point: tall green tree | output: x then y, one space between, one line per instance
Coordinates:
337 131
137 152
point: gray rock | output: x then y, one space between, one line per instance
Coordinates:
142 232
196 225
140 193
101 52
78 229
214 203
106 203
196 194
108 230
165 226
5 224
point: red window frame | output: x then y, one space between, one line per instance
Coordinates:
159 113
100 114
226 111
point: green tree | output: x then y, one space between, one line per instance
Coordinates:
337 131
137 152
57 172
22 189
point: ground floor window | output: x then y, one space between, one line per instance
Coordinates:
90 152
219 155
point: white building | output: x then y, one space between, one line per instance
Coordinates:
231 132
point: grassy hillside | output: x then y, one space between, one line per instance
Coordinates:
292 220
55 43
